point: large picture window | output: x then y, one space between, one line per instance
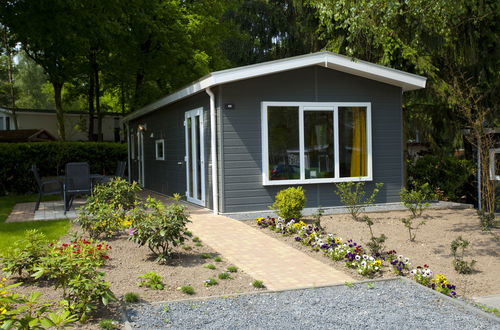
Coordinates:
315 142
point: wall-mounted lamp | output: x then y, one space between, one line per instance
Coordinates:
142 127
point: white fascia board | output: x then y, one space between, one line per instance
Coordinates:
406 81
5 110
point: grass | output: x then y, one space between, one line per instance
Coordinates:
258 284
211 282
232 269
13 231
187 289
217 259
224 276
131 297
205 255
210 266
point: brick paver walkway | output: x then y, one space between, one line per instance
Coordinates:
261 256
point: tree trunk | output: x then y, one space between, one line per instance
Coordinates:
10 77
91 99
97 102
58 86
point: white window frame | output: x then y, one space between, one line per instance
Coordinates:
3 118
493 154
162 142
315 106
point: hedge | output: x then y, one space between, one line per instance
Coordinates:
50 157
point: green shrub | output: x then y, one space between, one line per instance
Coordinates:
131 297
218 259
224 276
447 174
51 158
105 211
205 256
232 269
107 324
289 203
458 247
74 268
161 227
258 284
187 289
25 254
354 198
152 280
416 201
19 312
210 266
210 282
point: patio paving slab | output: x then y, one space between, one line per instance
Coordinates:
264 258
53 210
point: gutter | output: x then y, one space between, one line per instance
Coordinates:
213 150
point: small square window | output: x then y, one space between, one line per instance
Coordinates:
160 149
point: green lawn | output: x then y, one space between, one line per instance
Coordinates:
11 232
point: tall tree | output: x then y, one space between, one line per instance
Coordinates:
45 30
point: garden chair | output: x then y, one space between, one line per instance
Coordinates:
119 173
45 186
77 181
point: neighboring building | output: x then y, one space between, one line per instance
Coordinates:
310 120
25 135
76 123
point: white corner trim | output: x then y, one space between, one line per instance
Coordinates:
405 80
315 106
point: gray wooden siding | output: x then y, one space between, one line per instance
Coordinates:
167 176
241 133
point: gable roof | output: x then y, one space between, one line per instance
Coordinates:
26 135
407 81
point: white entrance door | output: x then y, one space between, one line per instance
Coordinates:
140 157
195 157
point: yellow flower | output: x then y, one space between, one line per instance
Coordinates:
338 240
378 262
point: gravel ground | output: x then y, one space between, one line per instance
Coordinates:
393 304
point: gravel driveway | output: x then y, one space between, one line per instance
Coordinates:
393 304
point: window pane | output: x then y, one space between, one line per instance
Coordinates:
1 123
352 142
318 144
283 143
7 123
159 149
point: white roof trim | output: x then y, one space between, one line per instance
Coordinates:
406 81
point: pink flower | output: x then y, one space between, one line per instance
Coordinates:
131 231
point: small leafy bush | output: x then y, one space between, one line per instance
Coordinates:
258 284
107 325
131 297
210 282
354 197
416 201
210 266
218 259
25 254
105 212
196 239
186 248
232 269
289 203
74 268
487 220
152 280
160 227
187 289
205 256
198 244
317 217
458 248
224 276
19 312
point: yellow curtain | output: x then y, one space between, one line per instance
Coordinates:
358 156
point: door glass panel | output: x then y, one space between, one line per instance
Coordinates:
198 156
283 143
318 144
189 154
352 142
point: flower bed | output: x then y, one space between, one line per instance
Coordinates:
354 254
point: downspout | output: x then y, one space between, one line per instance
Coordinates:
213 150
129 150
